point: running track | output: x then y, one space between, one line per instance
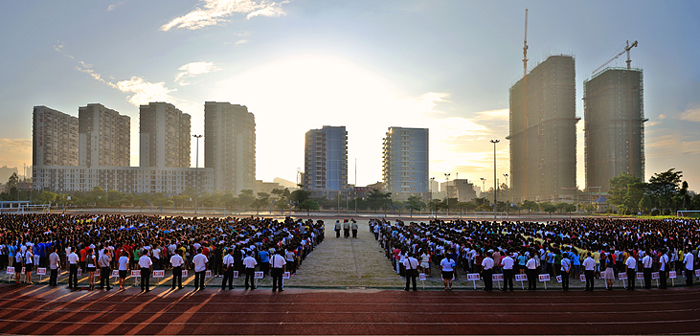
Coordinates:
44 310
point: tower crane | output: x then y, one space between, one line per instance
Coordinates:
627 49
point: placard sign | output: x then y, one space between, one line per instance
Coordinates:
96 276
622 276
24 269
10 270
286 275
41 271
235 274
184 273
583 277
136 273
422 277
523 277
655 276
258 275
544 277
80 272
115 273
640 275
672 275
473 277
497 277
559 280
207 274
159 274
697 272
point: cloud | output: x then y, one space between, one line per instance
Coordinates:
500 115
239 42
691 147
15 152
194 69
114 6
215 12
692 114
59 48
143 91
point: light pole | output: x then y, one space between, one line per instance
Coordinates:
196 174
507 186
447 192
495 191
432 179
483 186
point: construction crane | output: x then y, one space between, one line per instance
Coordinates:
627 49
525 47
525 126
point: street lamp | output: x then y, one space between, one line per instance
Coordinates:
196 174
507 186
495 191
483 186
432 180
447 192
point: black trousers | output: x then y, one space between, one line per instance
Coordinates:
73 276
689 277
631 276
53 280
411 275
507 279
590 278
199 279
104 277
337 233
250 274
354 233
346 233
177 277
265 268
276 278
531 278
647 278
662 279
488 279
565 280
228 277
145 279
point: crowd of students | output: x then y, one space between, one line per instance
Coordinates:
596 247
105 242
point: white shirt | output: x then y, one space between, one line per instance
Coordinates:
228 260
123 263
688 260
507 263
176 260
663 260
647 261
631 263
589 264
277 261
410 263
200 262
487 263
531 263
249 262
145 262
73 258
565 264
446 264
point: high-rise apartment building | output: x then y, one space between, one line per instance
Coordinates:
326 160
405 162
164 136
55 138
104 137
614 120
543 133
229 146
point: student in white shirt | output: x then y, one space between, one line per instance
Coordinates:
200 268
647 263
146 266
227 264
507 264
663 269
123 267
487 272
531 266
250 263
278 266
589 269
176 262
411 265
631 267
688 261
73 260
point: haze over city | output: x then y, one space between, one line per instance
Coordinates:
299 65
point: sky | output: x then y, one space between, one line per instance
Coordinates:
367 65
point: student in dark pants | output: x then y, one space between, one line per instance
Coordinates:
250 263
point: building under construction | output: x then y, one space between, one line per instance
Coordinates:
543 133
614 126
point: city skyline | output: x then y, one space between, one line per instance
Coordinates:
443 66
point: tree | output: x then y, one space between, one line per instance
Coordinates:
548 207
664 187
645 204
378 200
627 190
530 206
415 203
245 198
262 201
308 205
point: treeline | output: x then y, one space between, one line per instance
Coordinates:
664 194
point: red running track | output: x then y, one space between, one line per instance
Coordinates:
44 310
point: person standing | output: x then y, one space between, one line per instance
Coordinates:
354 228
631 267
609 273
647 262
507 264
176 262
531 272
54 266
278 265
447 265
250 263
589 269
28 265
337 228
146 266
346 229
663 269
73 260
200 268
105 269
487 272
411 265
565 271
227 264
264 257
123 267
688 261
